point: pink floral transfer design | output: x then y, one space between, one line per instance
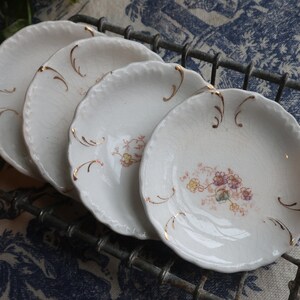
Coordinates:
219 188
131 151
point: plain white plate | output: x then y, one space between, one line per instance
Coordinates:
20 57
220 180
120 113
57 88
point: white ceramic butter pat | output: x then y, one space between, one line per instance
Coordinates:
109 133
20 57
220 180
57 88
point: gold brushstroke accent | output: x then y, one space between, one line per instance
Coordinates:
218 122
173 218
238 110
62 80
73 62
288 206
174 88
57 77
4 109
283 227
208 87
220 109
164 199
6 91
89 163
90 30
102 77
83 141
168 197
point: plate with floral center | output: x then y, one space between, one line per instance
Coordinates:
219 180
122 111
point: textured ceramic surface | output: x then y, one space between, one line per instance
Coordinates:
220 180
59 85
120 114
20 57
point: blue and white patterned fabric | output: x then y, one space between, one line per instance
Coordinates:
37 263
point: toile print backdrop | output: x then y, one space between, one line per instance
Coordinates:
37 263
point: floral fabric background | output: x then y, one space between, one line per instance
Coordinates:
37 263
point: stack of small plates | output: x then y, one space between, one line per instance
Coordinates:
152 149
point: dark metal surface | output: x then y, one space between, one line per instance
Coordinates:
128 249
138 254
20 201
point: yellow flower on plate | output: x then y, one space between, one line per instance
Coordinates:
193 185
127 160
234 207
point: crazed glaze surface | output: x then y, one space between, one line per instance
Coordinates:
122 111
59 85
20 57
219 180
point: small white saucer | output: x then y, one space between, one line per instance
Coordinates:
57 88
20 57
109 133
220 180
